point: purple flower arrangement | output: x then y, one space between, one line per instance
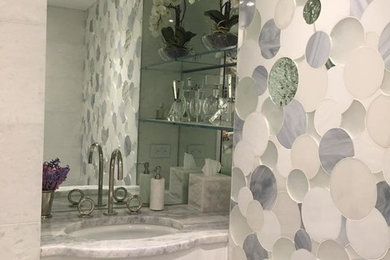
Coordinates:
53 174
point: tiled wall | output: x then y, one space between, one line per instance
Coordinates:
22 84
311 163
112 78
65 56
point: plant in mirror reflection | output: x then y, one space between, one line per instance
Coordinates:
53 175
167 12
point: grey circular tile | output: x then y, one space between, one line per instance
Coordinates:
335 145
302 240
127 146
383 200
263 186
247 12
260 75
384 45
318 49
294 124
253 249
269 40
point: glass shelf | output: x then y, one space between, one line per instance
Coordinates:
200 61
228 128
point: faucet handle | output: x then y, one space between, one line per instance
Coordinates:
86 212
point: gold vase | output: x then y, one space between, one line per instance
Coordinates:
47 203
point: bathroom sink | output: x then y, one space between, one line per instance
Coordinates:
121 228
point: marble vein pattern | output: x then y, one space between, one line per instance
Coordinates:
195 229
269 40
253 249
383 200
384 46
263 186
335 145
302 240
358 7
294 124
318 49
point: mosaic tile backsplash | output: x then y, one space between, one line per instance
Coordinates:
112 79
311 166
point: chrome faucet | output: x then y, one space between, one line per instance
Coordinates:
115 156
100 183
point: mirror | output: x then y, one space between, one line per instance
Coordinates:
109 81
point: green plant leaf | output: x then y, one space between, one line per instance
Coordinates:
168 35
215 15
232 21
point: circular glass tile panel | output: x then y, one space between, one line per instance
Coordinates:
269 40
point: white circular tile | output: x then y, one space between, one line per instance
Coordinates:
270 232
369 237
252 32
331 250
354 118
244 198
369 152
353 188
270 156
291 45
246 97
284 164
297 185
284 13
332 11
255 216
239 228
245 158
327 116
336 88
304 155
318 49
312 87
238 253
377 121
347 36
386 165
320 216
288 214
274 115
363 72
375 17
302 254
283 249
255 132
372 39
238 181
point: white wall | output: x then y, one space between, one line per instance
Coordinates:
22 84
65 54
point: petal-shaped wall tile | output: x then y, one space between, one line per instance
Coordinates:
297 185
331 250
283 249
378 120
304 155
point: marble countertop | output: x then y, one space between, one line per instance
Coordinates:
196 229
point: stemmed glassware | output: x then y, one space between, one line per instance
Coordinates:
178 106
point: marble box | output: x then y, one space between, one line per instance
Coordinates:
178 182
209 193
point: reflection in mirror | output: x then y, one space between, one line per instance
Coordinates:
107 84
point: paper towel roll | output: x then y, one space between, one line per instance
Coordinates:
157 188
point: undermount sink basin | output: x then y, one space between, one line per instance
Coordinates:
124 228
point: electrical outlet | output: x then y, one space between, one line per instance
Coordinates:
197 150
160 151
